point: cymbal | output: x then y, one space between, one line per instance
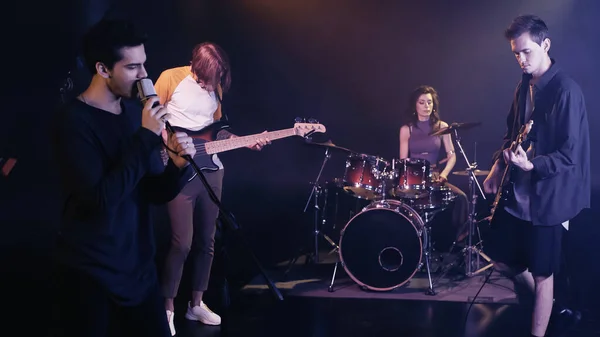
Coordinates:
330 145
454 126
466 173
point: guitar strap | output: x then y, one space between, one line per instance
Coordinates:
522 109
522 101
219 96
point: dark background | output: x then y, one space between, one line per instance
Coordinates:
349 64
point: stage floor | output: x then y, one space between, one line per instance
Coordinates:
313 280
310 310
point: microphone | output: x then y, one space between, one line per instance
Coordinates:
145 89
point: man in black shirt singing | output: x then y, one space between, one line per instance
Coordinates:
551 176
110 167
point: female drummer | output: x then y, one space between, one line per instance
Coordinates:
421 119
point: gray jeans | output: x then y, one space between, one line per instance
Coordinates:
193 225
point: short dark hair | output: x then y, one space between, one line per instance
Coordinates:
531 24
104 40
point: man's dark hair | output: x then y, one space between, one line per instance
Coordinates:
531 24
104 40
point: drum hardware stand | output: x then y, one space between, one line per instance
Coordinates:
335 267
471 250
314 195
428 248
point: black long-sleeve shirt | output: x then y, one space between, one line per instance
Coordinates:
561 180
111 171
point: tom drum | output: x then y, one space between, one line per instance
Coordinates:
412 178
362 175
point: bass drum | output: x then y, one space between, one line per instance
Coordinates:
381 247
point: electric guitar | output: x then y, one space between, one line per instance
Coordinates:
206 144
505 188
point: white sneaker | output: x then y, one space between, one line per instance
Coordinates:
171 318
203 314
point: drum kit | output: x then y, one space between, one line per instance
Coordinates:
386 208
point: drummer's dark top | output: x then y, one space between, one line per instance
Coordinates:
422 145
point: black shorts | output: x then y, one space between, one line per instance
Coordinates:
522 246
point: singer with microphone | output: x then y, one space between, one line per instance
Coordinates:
108 153
192 96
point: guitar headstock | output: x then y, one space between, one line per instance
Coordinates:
528 126
306 129
525 130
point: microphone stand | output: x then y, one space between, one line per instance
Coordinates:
229 219
474 187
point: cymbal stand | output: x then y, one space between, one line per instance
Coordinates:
428 249
315 195
472 251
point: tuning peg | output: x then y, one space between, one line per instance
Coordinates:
313 121
299 120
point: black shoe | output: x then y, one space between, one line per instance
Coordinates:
562 321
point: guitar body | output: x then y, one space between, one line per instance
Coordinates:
200 137
208 133
504 194
507 192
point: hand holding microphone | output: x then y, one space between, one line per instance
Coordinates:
180 146
154 115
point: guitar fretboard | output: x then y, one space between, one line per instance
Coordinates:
238 142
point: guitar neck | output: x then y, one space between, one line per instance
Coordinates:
505 178
218 146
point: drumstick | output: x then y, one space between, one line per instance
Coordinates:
439 163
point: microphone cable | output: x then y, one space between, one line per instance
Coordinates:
167 149
487 278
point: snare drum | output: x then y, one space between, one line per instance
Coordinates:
439 197
362 177
412 178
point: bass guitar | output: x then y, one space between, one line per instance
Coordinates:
505 188
206 144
